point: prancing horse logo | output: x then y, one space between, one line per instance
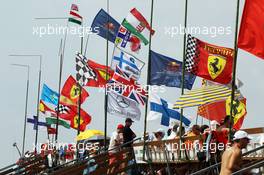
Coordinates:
216 65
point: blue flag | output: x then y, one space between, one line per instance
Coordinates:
49 95
101 22
168 71
36 122
160 108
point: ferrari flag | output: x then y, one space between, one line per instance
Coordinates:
209 61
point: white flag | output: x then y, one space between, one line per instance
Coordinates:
128 63
122 106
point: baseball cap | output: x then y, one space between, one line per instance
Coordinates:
129 120
241 135
120 126
214 122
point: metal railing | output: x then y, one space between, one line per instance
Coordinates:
218 164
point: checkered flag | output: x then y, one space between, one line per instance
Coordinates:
191 54
84 72
63 109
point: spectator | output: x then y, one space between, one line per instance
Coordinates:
128 134
214 125
225 123
173 132
232 157
115 141
159 135
203 128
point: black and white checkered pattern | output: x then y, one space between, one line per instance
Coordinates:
63 109
84 72
191 53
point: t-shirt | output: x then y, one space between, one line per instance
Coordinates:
128 136
116 140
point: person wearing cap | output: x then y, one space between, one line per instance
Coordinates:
115 141
232 157
128 134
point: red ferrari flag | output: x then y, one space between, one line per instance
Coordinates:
218 111
103 74
72 91
85 119
251 35
209 61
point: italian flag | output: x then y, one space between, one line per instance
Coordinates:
75 17
136 23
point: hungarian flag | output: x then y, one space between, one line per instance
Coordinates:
74 16
137 24
209 61
51 121
103 74
218 111
251 35
71 91
85 119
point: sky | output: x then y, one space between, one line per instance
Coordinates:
17 37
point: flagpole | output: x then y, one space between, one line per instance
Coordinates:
234 70
183 63
79 101
26 104
106 61
39 81
61 55
148 80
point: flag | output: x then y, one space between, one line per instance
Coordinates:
49 96
251 35
203 96
122 106
72 91
209 61
103 74
127 63
128 87
84 72
51 121
160 108
74 15
218 110
85 119
103 23
66 112
136 23
36 122
51 130
45 109
168 71
124 37
239 111
239 83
